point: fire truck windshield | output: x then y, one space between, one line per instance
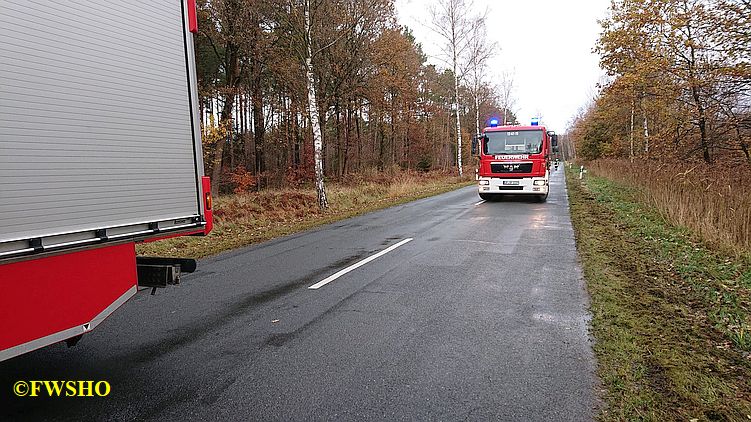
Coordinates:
513 142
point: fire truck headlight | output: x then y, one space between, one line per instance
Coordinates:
539 183
484 182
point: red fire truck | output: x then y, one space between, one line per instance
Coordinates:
514 160
100 149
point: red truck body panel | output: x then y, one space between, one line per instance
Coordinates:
57 297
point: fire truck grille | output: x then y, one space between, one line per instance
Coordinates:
511 167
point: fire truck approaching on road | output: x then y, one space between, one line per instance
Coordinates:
100 148
514 160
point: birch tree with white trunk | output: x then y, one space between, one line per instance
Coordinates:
315 121
310 34
453 24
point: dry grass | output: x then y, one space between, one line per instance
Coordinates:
714 202
244 219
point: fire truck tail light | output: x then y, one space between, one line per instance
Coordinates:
209 202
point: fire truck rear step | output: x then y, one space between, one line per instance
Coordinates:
159 272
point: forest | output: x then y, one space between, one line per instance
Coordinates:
673 118
679 85
283 82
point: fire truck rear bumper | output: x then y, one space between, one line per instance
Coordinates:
525 186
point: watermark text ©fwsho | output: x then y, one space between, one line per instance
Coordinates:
49 388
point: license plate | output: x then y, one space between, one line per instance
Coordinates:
511 182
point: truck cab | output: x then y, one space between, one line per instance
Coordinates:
513 160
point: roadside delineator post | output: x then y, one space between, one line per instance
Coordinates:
581 172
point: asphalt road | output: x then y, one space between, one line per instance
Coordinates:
482 316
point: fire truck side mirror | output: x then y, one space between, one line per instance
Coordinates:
475 144
554 141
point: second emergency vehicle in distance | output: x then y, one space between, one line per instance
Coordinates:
514 160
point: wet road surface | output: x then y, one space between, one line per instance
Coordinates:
480 316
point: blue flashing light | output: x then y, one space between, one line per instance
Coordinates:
493 122
535 121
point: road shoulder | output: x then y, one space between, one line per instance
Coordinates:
669 313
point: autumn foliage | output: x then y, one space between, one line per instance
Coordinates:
381 105
673 120
679 83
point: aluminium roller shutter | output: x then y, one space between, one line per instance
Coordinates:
95 117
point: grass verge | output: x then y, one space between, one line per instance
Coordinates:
244 219
669 313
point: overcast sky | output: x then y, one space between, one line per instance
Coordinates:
547 44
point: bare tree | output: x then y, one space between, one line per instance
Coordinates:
540 118
454 25
480 51
507 95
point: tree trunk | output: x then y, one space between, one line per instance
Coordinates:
743 145
202 113
701 113
313 114
259 125
381 146
348 130
646 134
702 127
631 132
233 132
248 142
359 136
392 136
477 110
458 121
338 131
226 124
